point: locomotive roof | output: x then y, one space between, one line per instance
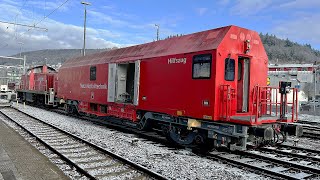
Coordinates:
39 68
200 41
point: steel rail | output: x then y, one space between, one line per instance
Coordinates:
311 135
291 164
302 122
300 148
79 169
124 160
152 137
265 171
310 129
274 149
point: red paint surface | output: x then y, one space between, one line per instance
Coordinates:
38 79
169 88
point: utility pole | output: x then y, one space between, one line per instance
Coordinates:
21 44
84 27
157 31
315 87
24 64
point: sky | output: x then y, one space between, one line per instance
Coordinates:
120 23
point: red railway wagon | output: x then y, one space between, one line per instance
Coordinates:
204 87
37 85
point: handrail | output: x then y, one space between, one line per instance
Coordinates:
267 98
264 101
226 95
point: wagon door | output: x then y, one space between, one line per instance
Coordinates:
112 82
243 84
136 83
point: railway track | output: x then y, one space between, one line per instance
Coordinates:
253 160
309 122
89 159
311 129
311 132
288 162
113 123
290 170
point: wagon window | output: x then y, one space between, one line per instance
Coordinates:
201 66
93 73
229 69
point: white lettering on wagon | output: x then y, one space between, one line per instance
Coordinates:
177 60
93 86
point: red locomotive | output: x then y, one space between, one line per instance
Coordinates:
38 86
203 88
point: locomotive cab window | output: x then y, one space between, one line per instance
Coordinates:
229 69
201 66
93 73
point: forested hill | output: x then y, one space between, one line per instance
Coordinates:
51 56
286 51
279 51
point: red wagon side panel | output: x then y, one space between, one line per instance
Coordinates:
170 88
75 83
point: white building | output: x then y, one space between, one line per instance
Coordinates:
300 76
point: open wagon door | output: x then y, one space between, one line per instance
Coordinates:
243 84
136 83
112 82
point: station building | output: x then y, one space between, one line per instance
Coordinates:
301 76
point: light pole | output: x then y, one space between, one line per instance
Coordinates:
21 44
157 31
315 87
84 27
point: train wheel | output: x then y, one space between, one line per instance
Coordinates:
182 136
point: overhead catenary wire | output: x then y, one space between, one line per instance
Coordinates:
15 23
25 25
45 17
15 19
25 2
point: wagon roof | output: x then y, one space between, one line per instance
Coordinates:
200 41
